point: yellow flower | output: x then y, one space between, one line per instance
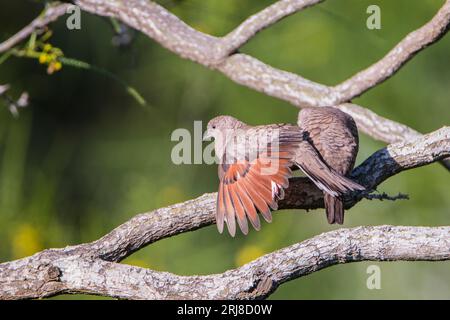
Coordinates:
53 67
47 47
43 57
57 66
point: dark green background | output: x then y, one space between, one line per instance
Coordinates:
85 157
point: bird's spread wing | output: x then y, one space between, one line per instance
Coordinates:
325 178
251 186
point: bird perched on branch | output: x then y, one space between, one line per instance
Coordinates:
255 165
334 135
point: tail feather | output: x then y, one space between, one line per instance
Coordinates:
323 176
334 207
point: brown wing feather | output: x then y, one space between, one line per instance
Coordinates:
326 178
249 207
220 209
229 211
256 183
239 208
244 189
253 190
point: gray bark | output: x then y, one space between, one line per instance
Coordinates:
76 270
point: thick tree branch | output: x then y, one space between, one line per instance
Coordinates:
59 271
383 129
403 156
377 127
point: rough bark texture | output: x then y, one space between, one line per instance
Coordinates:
93 268
77 270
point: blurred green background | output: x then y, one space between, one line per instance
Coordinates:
84 156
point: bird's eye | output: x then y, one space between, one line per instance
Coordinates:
213 127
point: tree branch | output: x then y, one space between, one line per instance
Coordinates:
377 127
380 166
383 129
261 20
58 271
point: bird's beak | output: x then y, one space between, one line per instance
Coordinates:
208 135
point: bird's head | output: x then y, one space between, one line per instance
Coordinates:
222 126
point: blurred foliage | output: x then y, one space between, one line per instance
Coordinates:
247 254
84 157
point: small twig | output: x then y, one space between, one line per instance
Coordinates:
262 20
385 196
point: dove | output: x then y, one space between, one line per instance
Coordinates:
334 134
255 164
